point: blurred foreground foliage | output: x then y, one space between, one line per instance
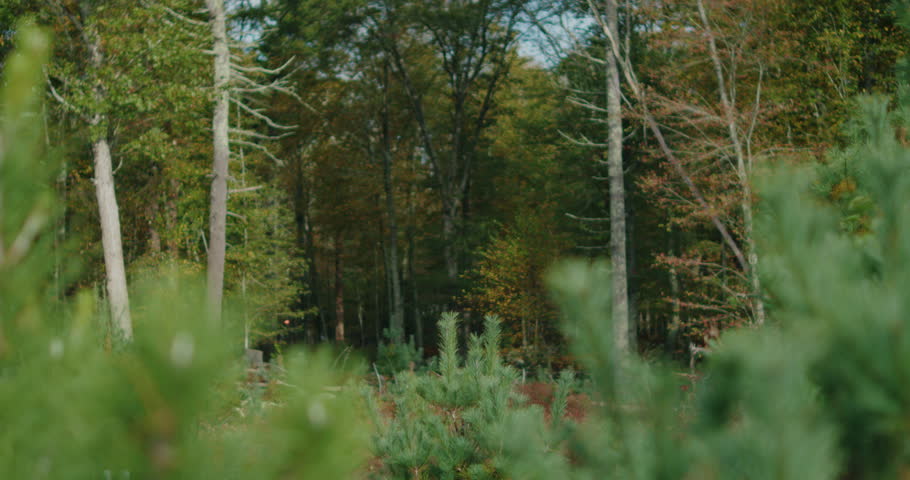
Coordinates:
160 407
822 393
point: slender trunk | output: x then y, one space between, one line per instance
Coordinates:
743 167
396 320
752 254
363 335
219 193
108 212
309 278
524 332
412 278
152 211
621 324
171 217
339 293
450 253
378 308
633 292
676 319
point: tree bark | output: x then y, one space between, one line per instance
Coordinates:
412 281
171 217
108 211
450 253
220 128
396 320
639 93
339 293
621 324
676 318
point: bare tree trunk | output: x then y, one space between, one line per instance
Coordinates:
171 214
396 320
743 166
621 326
108 211
412 278
641 95
219 194
752 254
339 293
676 319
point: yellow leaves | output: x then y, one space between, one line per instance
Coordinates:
845 186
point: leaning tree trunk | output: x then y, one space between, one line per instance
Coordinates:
743 167
621 327
108 212
218 205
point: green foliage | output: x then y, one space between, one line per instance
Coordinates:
155 408
451 423
392 357
820 394
263 264
854 308
26 202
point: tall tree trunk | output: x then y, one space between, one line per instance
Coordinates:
339 292
171 217
758 304
640 94
621 325
108 211
450 253
376 289
219 194
676 319
412 281
396 320
309 278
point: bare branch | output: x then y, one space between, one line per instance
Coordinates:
584 142
27 235
261 148
266 71
244 190
236 215
261 136
587 219
258 114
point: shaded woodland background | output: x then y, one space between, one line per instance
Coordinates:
394 159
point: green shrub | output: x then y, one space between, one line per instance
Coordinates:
393 357
821 393
452 422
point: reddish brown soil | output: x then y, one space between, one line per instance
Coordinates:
538 393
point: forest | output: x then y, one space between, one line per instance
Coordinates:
455 239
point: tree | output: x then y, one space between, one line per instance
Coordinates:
232 81
92 101
474 42
621 320
222 152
